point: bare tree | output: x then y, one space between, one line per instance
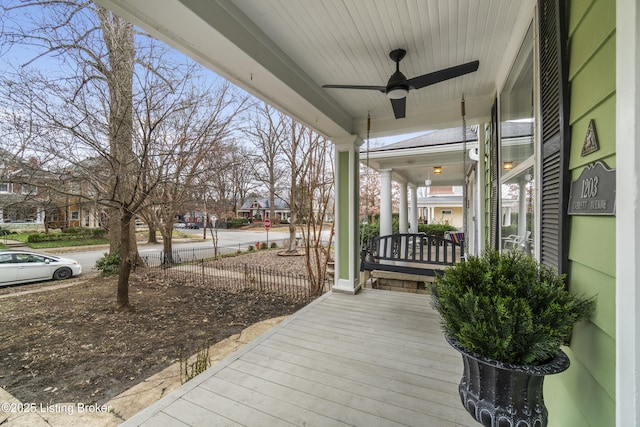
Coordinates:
241 175
318 207
91 106
197 127
298 148
100 76
231 178
268 131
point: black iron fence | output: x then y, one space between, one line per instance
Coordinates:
177 256
198 266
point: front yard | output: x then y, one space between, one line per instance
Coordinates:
70 344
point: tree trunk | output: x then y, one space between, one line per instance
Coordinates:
166 230
152 232
292 235
122 301
115 230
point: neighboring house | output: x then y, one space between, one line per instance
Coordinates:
22 201
76 205
26 197
260 207
443 205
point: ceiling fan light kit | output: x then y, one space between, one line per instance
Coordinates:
397 93
398 86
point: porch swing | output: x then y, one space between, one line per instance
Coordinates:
415 254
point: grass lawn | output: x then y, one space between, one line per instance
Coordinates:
67 243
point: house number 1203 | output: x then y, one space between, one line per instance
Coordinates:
589 187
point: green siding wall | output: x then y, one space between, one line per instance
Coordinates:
585 394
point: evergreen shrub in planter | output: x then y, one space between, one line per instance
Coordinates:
507 313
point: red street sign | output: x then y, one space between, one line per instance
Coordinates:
267 224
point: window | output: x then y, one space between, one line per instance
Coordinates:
22 258
517 154
29 189
75 215
4 187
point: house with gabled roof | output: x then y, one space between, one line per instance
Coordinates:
260 208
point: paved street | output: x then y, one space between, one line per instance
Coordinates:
228 241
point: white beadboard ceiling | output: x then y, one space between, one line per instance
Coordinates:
283 51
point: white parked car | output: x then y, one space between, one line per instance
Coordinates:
25 266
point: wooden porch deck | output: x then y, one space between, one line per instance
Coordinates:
377 358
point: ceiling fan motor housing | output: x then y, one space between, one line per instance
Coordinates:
397 87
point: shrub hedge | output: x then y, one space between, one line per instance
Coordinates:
68 234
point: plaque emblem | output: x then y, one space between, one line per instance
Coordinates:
591 144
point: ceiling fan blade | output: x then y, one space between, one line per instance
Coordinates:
442 75
399 107
382 89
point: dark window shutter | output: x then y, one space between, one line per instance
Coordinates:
494 238
555 141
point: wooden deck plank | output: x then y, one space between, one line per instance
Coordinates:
421 359
389 331
195 415
374 359
215 407
257 399
354 354
420 378
165 420
303 397
381 391
365 374
346 405
340 334
435 341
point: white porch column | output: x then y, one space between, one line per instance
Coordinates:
347 208
404 206
627 213
522 207
414 209
506 214
385 202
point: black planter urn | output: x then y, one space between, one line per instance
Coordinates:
499 394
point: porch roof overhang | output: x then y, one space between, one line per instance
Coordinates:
413 161
284 51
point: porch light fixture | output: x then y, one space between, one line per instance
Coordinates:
427 182
437 170
507 166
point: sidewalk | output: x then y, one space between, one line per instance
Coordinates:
14 244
